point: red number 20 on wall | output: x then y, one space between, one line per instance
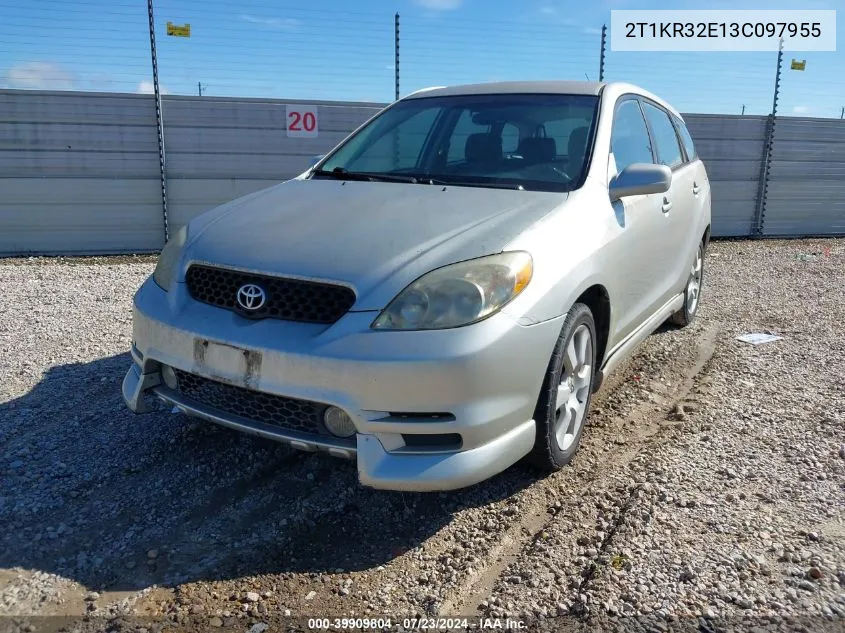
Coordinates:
301 121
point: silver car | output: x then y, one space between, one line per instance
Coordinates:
439 296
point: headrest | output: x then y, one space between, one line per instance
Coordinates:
538 150
578 144
483 148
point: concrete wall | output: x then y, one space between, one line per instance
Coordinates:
806 191
79 172
732 150
219 149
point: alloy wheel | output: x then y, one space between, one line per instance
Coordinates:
574 389
694 283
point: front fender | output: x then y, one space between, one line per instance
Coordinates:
557 297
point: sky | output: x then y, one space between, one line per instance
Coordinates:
330 49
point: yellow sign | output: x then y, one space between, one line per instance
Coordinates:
799 65
179 31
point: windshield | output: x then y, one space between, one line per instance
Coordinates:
536 142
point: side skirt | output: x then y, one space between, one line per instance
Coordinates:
626 347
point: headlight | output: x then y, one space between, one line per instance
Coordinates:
458 294
169 257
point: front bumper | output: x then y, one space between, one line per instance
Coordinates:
485 377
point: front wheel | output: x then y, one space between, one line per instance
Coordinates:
565 397
692 292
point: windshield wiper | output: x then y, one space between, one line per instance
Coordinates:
341 173
425 179
501 185
488 185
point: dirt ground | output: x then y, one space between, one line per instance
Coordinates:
708 492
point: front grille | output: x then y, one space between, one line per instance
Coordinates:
287 299
287 413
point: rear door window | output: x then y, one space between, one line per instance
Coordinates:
665 137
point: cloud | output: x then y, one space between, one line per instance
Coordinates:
801 109
100 82
440 5
147 88
39 76
286 24
551 12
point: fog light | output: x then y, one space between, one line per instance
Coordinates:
338 422
169 377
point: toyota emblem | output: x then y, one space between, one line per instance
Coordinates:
251 297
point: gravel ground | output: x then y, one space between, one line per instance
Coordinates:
709 491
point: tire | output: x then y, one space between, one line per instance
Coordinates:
692 291
559 428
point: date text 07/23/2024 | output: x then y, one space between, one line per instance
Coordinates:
422 624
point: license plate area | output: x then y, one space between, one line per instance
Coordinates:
227 363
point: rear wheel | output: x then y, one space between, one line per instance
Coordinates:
564 401
692 292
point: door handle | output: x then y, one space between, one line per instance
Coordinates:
667 205
695 188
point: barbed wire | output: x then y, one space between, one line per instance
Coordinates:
701 82
811 92
253 49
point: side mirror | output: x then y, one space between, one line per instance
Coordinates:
640 179
316 159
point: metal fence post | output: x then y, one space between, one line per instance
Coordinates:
396 77
768 144
396 53
603 49
159 121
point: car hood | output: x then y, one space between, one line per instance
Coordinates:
377 237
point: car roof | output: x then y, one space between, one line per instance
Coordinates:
594 88
513 87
